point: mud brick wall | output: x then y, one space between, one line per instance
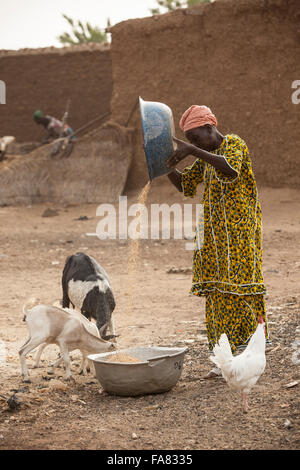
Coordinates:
46 78
239 57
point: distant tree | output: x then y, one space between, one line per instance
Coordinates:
171 5
82 33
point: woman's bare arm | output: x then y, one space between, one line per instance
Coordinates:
175 178
184 149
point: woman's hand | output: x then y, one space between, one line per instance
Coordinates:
183 150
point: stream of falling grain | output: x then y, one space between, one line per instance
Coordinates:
134 250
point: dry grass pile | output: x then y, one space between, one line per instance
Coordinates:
96 171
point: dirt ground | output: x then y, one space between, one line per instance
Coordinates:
196 413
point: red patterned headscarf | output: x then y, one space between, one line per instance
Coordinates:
197 116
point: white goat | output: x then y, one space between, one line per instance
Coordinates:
90 326
51 325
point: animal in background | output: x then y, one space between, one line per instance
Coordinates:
4 142
241 372
86 286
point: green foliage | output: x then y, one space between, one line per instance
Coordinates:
171 5
191 3
82 33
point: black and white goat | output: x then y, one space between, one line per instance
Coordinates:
87 287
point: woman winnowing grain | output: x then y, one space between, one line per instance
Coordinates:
227 269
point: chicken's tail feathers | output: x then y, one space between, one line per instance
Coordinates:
223 345
214 360
222 351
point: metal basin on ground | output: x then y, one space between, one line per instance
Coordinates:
159 370
158 128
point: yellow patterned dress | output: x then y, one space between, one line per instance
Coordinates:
227 261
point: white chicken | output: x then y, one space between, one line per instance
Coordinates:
241 372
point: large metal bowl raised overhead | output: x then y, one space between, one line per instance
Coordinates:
158 129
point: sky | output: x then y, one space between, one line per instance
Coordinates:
37 23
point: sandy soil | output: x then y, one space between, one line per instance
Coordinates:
196 413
